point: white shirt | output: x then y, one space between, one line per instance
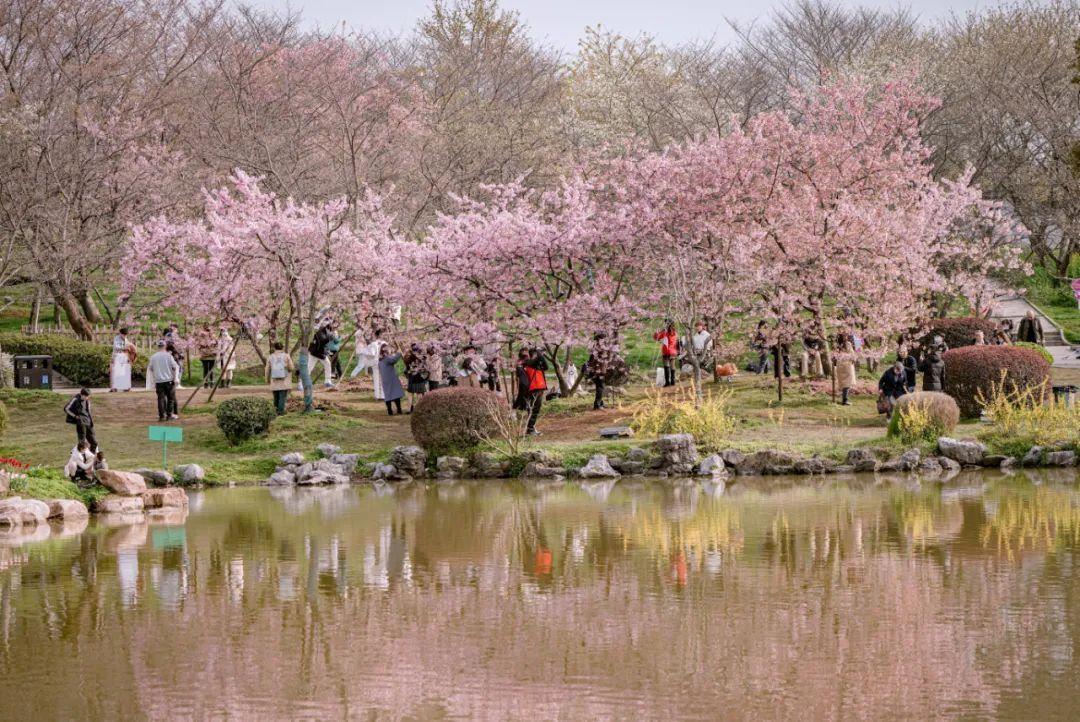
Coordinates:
702 341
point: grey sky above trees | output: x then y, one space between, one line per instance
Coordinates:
561 23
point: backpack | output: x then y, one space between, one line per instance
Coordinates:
278 368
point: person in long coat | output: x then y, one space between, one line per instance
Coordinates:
933 368
392 390
1030 329
893 384
845 369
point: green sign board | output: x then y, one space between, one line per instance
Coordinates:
165 434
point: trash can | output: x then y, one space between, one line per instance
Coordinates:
33 372
1065 394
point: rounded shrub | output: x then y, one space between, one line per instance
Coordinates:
958 332
244 417
973 373
924 416
81 362
1038 348
454 420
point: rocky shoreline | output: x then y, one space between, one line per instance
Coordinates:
672 456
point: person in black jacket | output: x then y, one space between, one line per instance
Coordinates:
78 412
911 368
933 368
893 384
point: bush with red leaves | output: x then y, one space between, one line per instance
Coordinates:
972 372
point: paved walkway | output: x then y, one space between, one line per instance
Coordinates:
1016 307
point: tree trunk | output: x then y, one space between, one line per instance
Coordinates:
35 311
82 328
89 308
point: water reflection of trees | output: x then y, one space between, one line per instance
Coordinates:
504 593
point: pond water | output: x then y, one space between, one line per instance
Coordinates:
629 600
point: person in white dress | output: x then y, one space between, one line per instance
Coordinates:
367 357
120 369
226 357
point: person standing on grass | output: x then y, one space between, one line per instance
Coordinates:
163 369
1030 329
668 338
911 368
532 385
122 359
597 367
226 357
845 368
933 368
206 347
392 391
893 384
279 370
416 373
78 412
434 364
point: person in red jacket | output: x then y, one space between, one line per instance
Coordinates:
669 350
532 384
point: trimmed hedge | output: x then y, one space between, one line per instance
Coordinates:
973 372
942 415
82 362
454 420
1038 348
958 332
244 417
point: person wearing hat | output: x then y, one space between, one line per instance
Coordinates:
164 370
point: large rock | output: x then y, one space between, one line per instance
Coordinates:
346 462
949 466
627 467
814 465
862 460
909 460
713 466
617 432
732 457
766 463
385 472
67 509
155 477
123 483
598 467
487 466
676 454
115 504
450 467
172 497
16 511
189 474
539 470
328 450
294 458
282 477
1033 457
409 460
1060 458
322 471
966 452
929 466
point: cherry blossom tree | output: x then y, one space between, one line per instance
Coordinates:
256 259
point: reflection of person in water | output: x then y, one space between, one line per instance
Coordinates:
678 568
395 551
543 562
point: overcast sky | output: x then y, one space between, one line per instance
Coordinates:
560 22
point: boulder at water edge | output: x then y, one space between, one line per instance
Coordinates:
598 467
328 450
17 511
770 462
155 477
115 504
67 509
294 458
676 454
712 465
123 483
449 467
282 477
962 451
1060 458
172 497
409 461
862 460
189 474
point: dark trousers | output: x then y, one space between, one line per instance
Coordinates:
166 399
208 371
598 400
335 365
844 395
391 405
669 371
280 399
533 403
85 432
